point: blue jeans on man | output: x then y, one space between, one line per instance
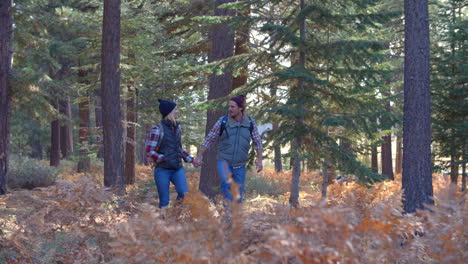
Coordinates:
238 175
163 177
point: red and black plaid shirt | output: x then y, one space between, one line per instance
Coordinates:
151 151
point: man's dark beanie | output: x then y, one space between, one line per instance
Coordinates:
166 107
240 101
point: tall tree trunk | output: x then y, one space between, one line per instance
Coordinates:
277 152
325 180
66 140
386 155
84 162
36 151
131 137
374 159
417 169
222 46
69 125
325 175
387 165
399 155
110 96
296 172
242 47
275 126
55 139
6 52
453 162
146 130
98 116
297 141
463 187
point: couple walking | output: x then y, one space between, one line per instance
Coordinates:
234 131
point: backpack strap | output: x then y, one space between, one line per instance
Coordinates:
224 121
223 125
251 127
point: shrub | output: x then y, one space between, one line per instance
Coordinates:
262 186
26 173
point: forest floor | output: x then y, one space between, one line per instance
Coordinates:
77 220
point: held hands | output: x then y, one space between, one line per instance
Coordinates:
197 162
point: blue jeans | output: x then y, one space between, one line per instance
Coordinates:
238 175
162 177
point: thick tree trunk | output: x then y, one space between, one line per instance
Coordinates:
399 155
417 169
222 39
131 137
242 47
55 139
110 96
6 50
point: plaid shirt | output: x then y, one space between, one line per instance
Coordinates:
152 152
214 134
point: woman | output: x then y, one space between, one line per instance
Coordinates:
164 147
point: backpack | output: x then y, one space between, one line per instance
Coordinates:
224 121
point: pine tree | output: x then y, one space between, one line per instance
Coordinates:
222 47
450 128
345 101
110 96
6 35
417 168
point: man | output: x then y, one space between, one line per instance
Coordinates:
234 132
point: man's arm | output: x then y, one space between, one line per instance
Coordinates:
210 138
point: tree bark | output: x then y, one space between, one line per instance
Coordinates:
98 116
417 169
386 156
110 96
277 152
297 141
55 139
146 129
296 172
36 152
374 159
66 134
84 162
453 162
399 155
242 47
325 180
463 187
132 116
222 46
6 52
